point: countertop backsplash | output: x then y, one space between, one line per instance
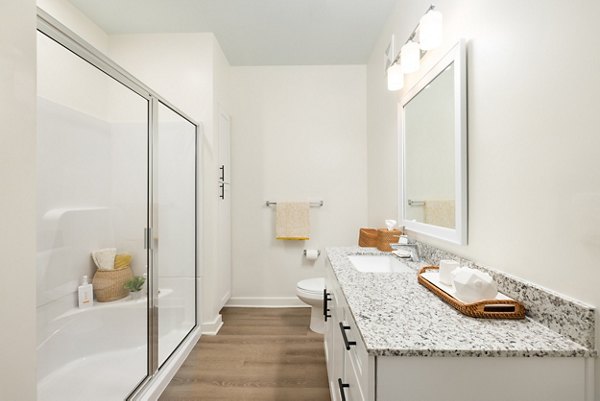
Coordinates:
569 317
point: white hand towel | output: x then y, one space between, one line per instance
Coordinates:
105 258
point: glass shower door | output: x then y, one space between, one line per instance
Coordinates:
92 182
175 223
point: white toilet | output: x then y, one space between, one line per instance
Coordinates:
310 291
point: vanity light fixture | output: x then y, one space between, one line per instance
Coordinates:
408 60
430 30
410 57
395 77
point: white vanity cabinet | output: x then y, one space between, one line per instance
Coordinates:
356 375
351 371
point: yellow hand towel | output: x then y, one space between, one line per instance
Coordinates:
122 261
292 221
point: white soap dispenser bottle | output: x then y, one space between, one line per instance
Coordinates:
86 293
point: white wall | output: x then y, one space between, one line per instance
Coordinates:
78 22
17 202
218 275
534 176
298 134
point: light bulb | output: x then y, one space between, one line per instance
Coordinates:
410 57
430 30
395 77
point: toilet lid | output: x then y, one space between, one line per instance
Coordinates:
316 285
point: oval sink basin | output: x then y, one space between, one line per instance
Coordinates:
378 264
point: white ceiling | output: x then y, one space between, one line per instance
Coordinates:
257 32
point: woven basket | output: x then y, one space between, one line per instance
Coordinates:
109 284
487 309
385 237
367 237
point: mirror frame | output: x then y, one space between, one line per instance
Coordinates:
458 235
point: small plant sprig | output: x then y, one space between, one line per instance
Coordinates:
135 284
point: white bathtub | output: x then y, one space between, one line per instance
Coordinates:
100 353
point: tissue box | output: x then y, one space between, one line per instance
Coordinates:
385 237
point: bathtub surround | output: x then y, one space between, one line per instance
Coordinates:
103 204
67 368
534 181
298 134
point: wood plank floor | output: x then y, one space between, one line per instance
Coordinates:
260 354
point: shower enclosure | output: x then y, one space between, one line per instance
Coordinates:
116 170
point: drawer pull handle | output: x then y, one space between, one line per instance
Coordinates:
326 309
342 386
346 342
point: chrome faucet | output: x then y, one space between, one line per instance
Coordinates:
414 250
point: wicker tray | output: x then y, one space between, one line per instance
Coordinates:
487 309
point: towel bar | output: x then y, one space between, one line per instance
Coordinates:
312 204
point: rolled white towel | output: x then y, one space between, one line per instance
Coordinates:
105 258
474 285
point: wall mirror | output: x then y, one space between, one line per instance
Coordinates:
433 199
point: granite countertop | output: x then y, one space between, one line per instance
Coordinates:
396 316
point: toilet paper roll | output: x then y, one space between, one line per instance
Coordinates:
311 254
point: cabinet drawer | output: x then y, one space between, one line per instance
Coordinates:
359 366
356 390
357 354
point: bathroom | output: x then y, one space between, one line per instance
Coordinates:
306 126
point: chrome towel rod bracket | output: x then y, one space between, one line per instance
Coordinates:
312 204
415 203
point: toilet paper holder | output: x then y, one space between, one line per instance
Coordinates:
318 253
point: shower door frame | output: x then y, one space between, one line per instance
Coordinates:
52 28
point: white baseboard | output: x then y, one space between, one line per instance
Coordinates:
266 302
212 328
224 299
163 377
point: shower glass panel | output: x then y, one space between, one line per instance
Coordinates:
175 211
92 182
